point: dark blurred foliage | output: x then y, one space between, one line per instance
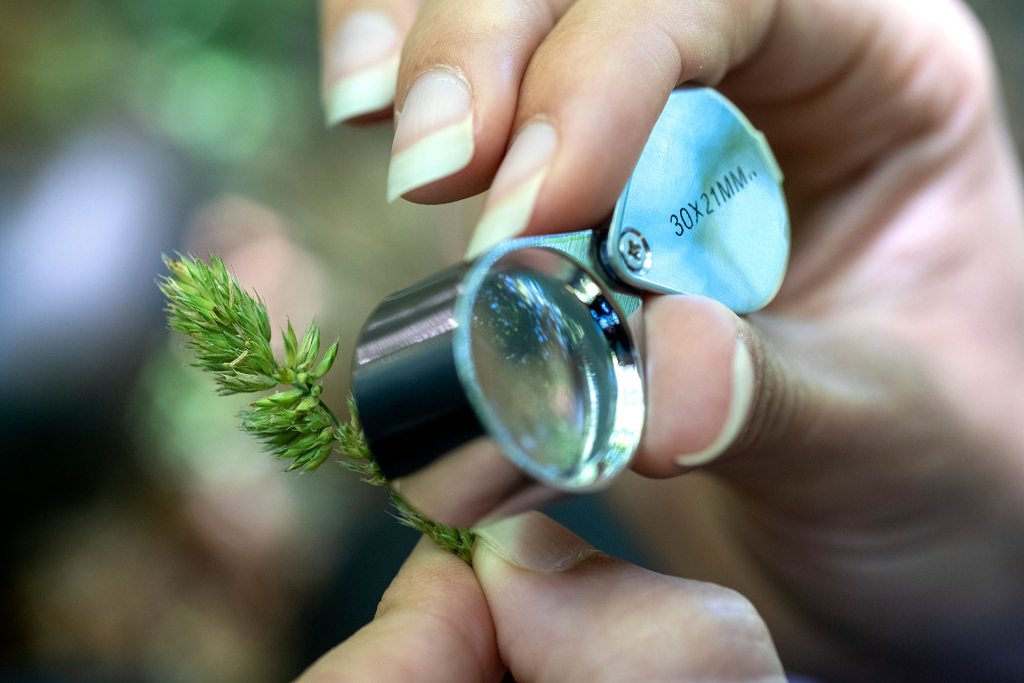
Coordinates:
144 537
123 125
228 79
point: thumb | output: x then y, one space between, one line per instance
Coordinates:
565 612
715 385
819 421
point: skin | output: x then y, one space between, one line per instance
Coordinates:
594 619
873 499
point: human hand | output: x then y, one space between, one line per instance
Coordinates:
551 609
872 418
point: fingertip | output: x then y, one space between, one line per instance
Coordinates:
530 541
739 409
432 624
427 568
462 184
545 587
372 118
488 44
360 65
699 383
434 136
511 198
566 612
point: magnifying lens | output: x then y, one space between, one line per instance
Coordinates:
503 382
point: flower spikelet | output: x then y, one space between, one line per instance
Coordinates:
229 331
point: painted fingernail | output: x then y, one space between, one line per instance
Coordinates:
739 407
514 191
361 66
434 136
535 542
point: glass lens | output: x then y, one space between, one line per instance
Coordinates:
546 370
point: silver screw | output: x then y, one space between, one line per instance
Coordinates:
634 250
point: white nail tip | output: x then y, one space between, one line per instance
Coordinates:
509 218
364 92
742 393
436 156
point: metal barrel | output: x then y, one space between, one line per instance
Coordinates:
412 405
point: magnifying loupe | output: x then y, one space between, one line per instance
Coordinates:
501 383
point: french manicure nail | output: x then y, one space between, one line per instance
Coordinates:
361 66
535 542
434 136
739 407
514 191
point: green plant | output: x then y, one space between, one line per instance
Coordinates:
230 335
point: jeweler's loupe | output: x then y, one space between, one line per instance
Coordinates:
503 382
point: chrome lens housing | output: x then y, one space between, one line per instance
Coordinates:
520 362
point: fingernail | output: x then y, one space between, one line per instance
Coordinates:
361 66
514 191
434 136
742 393
535 542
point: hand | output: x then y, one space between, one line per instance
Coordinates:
871 420
551 609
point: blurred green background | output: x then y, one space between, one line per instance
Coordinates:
144 537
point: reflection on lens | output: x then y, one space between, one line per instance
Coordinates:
547 353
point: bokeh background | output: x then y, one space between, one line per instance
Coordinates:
143 537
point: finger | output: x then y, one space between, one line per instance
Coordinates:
775 400
601 95
565 612
432 626
457 93
701 380
361 43
720 394
599 81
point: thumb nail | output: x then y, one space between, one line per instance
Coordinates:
739 409
534 542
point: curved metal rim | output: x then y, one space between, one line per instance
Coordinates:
625 434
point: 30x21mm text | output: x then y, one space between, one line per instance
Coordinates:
724 189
